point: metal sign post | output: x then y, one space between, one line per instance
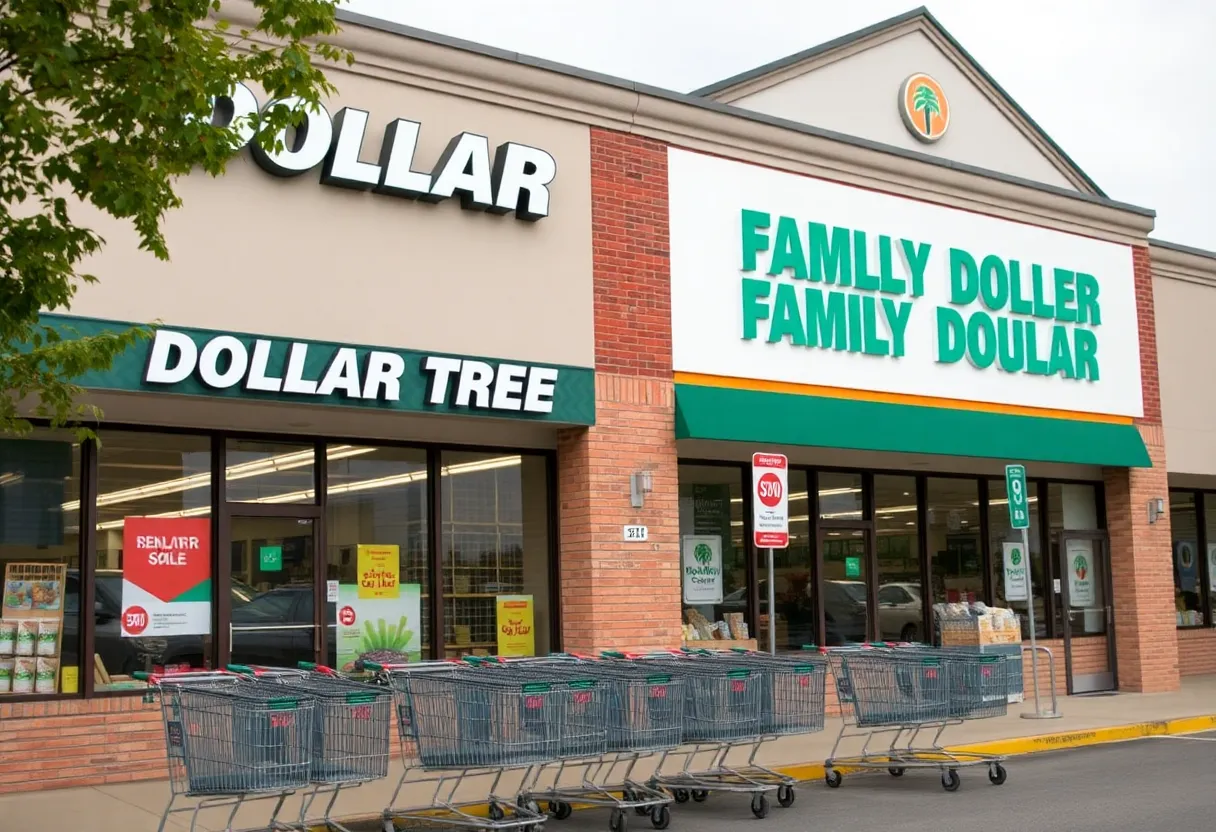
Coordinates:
771 521
1019 518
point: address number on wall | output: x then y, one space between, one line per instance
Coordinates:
636 534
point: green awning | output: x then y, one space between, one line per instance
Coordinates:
788 419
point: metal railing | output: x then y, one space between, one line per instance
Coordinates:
1039 713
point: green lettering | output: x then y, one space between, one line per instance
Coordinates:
964 282
916 257
1088 310
1017 304
862 278
753 308
1061 353
1042 309
787 318
897 320
854 304
871 343
888 282
981 340
951 335
1087 353
1064 295
1010 344
994 283
825 322
787 251
831 259
753 241
1034 365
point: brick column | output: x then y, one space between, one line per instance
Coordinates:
1141 565
618 595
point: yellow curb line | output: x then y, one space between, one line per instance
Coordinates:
1015 747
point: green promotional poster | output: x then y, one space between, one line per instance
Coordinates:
381 630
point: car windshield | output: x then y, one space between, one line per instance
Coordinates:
856 591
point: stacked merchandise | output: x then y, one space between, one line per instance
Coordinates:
31 627
993 630
698 628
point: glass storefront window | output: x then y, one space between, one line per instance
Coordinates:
900 593
794 592
711 510
378 499
1000 533
839 496
1074 507
495 553
164 479
1188 604
40 554
953 534
275 472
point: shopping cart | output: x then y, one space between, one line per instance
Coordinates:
636 713
351 733
908 692
229 741
722 712
458 726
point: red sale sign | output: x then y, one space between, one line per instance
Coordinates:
771 500
166 587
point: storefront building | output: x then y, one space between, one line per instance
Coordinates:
429 363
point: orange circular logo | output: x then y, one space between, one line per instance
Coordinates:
924 107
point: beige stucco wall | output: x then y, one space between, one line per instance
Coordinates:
858 95
293 258
1185 309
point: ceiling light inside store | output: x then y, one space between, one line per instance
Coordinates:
10 479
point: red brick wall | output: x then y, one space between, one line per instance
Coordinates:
1196 652
618 595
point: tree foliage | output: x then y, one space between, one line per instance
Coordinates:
107 102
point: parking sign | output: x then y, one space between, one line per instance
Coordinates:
770 501
1015 489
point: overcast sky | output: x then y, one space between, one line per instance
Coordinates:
1126 87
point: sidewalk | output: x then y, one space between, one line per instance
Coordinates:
136 807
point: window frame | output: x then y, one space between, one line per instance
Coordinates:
1199 504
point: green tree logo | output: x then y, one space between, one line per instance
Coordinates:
1081 566
702 553
1015 557
924 101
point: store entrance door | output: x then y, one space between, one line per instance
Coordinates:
844 570
1087 617
274 611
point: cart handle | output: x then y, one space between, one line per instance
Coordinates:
245 670
317 668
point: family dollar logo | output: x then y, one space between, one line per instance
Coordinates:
702 553
1081 567
1015 557
923 105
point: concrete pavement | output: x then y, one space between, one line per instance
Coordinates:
136 807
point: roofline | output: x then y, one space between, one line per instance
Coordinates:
1153 242
890 23
617 82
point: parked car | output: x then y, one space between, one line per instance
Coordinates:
844 611
900 611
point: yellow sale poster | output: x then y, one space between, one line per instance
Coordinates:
516 628
379 569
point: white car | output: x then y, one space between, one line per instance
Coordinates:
900 611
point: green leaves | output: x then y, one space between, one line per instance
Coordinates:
95 106
395 637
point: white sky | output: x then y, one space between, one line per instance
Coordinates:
1126 87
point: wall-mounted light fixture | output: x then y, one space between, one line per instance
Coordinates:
641 483
1156 508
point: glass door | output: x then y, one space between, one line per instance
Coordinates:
1085 598
274 610
845 567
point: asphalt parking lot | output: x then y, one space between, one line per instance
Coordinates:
1155 783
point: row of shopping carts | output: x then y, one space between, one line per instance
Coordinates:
534 738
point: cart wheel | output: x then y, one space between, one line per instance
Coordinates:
680 795
896 771
618 821
760 806
950 780
564 810
700 795
641 811
996 774
660 817
529 805
785 796
833 778
496 812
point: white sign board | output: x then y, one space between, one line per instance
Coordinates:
701 569
1212 567
636 534
770 501
1079 561
786 278
1017 572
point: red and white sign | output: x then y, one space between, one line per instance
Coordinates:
770 501
166 576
